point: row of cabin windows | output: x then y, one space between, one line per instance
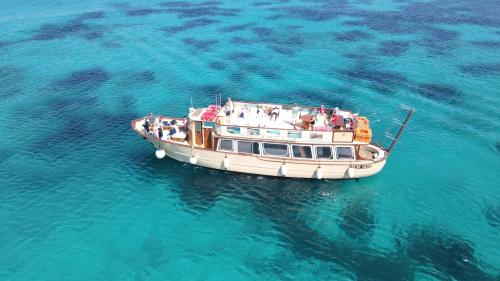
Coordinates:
281 150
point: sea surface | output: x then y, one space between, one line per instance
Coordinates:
83 198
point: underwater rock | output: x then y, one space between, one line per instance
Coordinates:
234 28
145 76
352 35
445 252
491 212
76 26
240 56
11 79
217 65
393 48
439 92
190 24
202 45
262 31
92 77
243 41
481 69
356 219
376 76
486 44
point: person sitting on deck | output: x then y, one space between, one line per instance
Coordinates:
229 107
260 112
160 132
150 118
275 113
321 117
145 125
174 129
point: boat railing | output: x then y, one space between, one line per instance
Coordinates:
278 134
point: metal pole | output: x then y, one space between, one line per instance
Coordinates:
403 126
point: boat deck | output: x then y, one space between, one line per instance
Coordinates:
288 117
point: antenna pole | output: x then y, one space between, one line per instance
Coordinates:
401 129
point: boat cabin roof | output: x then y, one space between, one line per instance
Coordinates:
273 116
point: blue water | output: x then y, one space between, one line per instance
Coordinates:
83 198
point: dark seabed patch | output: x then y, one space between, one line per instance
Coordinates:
89 78
112 45
145 76
92 15
240 56
480 69
11 79
155 251
259 4
234 28
438 92
324 12
237 76
190 24
217 65
263 31
76 26
186 10
393 48
202 45
385 81
282 50
356 219
72 132
486 44
352 35
492 212
200 190
243 41
449 254
267 72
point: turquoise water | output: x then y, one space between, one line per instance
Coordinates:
83 198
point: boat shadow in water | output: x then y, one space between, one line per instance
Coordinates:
282 201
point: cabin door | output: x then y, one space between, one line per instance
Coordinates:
198 133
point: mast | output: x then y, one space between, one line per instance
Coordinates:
410 110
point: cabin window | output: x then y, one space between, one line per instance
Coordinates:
253 132
302 151
324 152
294 134
208 124
226 145
234 130
275 149
344 152
198 127
248 147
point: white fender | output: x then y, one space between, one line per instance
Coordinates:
226 163
193 160
283 170
351 172
319 173
160 153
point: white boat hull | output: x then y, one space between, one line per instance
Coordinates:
269 166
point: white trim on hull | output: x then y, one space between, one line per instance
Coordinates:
270 166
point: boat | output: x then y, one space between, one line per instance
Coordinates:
271 140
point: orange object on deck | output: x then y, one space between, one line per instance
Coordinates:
362 122
363 134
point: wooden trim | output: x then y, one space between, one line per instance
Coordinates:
261 157
283 141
